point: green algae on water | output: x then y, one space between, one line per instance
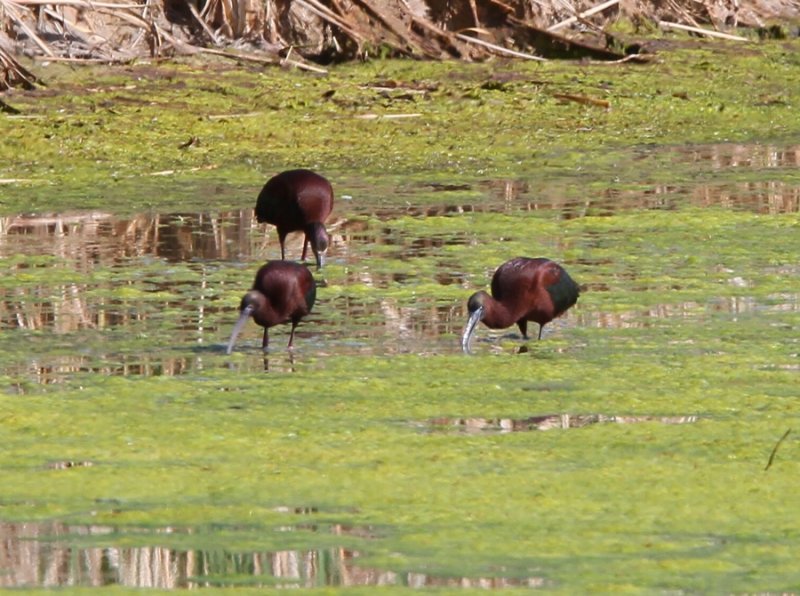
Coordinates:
121 410
75 139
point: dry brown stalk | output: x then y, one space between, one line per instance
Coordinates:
109 31
13 74
641 58
394 27
328 15
474 8
82 33
202 23
583 15
12 12
499 49
80 3
685 14
502 5
699 30
255 58
446 38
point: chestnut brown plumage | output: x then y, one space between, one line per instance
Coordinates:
298 201
523 290
282 291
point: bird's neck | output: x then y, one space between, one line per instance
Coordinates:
498 316
260 308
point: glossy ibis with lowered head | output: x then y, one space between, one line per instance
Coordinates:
523 290
298 201
282 291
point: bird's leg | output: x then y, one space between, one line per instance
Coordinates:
265 341
305 249
540 331
291 335
523 328
282 238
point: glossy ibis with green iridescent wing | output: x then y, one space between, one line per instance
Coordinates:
523 290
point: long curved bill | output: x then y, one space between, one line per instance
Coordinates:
245 314
469 329
319 257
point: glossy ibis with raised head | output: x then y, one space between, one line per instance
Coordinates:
298 201
523 290
282 291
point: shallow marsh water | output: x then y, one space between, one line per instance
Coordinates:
396 278
625 451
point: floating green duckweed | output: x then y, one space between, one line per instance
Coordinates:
120 409
67 148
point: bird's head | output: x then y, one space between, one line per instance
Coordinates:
250 303
476 305
320 240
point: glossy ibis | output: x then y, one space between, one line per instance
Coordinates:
282 291
523 290
298 201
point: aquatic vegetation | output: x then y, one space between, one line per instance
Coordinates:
121 409
460 123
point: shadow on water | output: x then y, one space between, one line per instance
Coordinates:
54 554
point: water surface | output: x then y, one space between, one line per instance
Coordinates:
58 555
82 276
674 376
